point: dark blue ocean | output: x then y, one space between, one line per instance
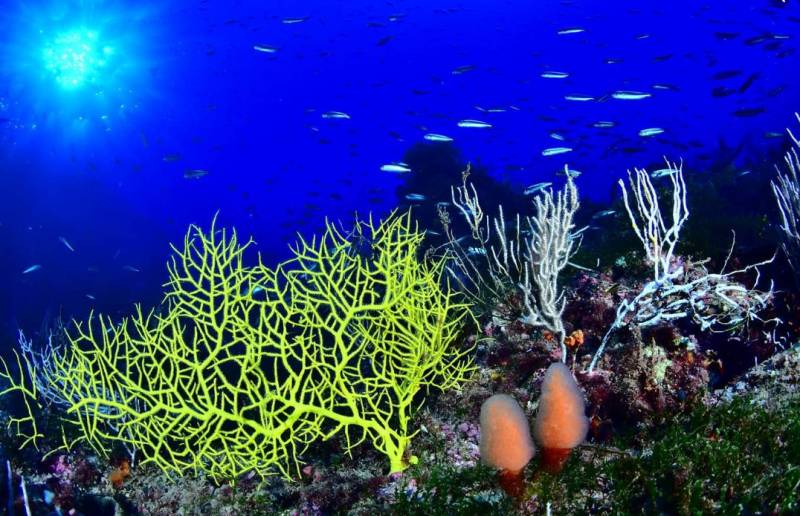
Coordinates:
122 123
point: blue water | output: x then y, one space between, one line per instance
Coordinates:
102 164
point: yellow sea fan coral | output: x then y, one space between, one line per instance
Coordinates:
242 368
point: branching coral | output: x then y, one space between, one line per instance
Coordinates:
528 258
714 301
787 196
243 368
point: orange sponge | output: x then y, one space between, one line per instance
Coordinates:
505 434
560 421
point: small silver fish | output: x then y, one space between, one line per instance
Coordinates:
255 290
579 98
91 297
651 131
604 124
569 172
66 244
554 75
661 172
557 136
397 168
463 69
433 137
195 173
570 30
337 115
130 268
630 95
532 189
292 21
32 268
604 213
553 151
474 124
415 197
266 49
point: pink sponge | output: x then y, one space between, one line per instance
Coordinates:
505 434
560 421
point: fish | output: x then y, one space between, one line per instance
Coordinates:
569 172
773 134
415 197
651 131
266 49
554 75
603 213
604 124
337 115
171 158
726 74
292 21
463 69
662 172
538 187
774 92
91 297
755 40
579 98
194 173
476 251
32 268
396 167
433 137
252 291
630 95
130 268
474 124
665 87
748 82
66 244
553 151
722 91
491 109
570 30
557 136
748 112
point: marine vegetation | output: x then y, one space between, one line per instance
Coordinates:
252 387
243 368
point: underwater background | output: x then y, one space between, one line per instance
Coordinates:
239 91
474 284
